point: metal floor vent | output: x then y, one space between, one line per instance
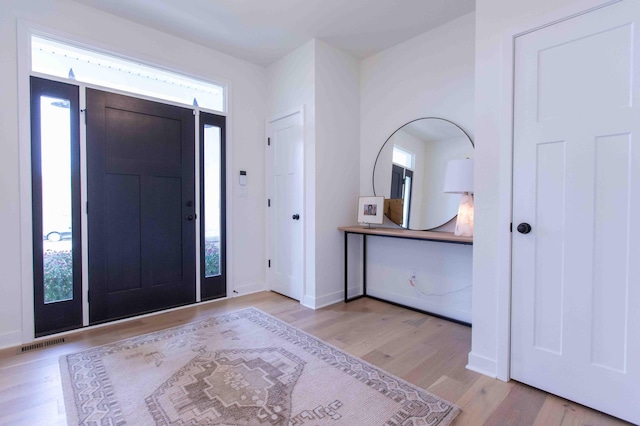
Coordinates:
40 345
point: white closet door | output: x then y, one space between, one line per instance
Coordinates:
576 275
285 165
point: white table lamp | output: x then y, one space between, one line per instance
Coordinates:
459 180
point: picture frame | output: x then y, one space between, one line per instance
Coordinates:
371 210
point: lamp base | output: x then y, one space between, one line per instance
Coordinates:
464 223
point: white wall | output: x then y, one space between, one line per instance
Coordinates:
290 86
324 80
337 164
440 153
430 75
246 132
497 21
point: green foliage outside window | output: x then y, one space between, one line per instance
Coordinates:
58 275
211 258
58 271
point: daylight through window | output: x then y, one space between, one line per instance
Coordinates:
66 61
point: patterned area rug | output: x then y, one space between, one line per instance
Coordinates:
242 368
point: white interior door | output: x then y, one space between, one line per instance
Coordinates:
285 165
576 181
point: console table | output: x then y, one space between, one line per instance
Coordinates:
442 237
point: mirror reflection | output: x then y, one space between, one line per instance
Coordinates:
410 171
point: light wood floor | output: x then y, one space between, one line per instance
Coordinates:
426 351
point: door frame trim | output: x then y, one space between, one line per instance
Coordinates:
306 233
500 367
25 29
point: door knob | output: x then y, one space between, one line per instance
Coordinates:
524 228
295 217
189 217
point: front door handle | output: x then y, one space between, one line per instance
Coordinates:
295 217
189 217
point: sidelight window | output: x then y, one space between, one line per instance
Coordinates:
55 167
212 200
212 206
57 230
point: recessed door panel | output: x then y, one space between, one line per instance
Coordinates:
610 265
123 232
163 234
565 84
548 278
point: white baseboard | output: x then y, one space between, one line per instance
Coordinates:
14 338
10 339
308 302
354 291
483 365
323 301
424 305
243 290
330 299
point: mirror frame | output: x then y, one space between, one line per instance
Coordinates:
373 174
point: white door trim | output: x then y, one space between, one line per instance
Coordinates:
26 220
503 314
25 29
286 114
267 170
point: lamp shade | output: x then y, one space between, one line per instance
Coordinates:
459 177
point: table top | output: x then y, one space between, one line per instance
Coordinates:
446 237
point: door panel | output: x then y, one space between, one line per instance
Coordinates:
576 276
141 191
285 161
55 153
122 193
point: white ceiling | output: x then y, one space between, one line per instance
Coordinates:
262 31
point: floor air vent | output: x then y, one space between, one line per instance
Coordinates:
40 345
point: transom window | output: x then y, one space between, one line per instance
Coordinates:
403 158
66 61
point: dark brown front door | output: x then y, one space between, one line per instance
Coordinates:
141 205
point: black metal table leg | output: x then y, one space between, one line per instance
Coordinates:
346 265
346 269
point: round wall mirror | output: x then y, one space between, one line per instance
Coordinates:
410 171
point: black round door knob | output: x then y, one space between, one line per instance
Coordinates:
295 217
189 217
524 228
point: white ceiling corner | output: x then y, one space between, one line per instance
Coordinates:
262 31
